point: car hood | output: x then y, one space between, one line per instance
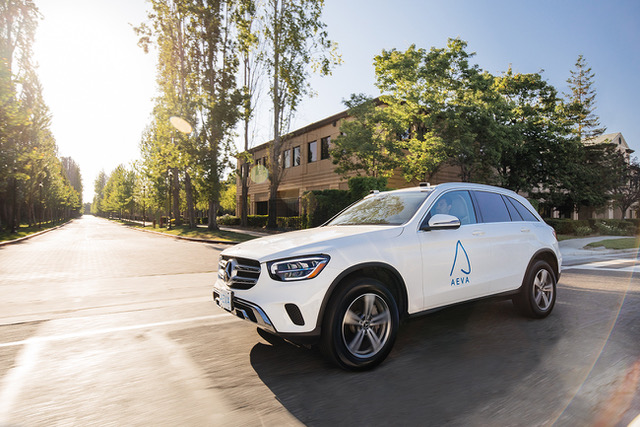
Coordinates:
321 240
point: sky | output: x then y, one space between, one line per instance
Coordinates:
99 84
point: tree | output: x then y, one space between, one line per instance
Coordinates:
250 50
367 144
445 107
540 151
581 105
296 41
98 189
628 191
196 77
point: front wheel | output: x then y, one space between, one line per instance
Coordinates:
361 325
537 296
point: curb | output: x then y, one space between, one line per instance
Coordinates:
191 239
39 233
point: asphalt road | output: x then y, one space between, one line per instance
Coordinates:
103 325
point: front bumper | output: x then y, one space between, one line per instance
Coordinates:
247 311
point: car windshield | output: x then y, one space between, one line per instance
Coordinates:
382 209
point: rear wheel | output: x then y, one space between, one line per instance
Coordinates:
537 296
361 325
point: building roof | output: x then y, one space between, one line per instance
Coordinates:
615 138
306 129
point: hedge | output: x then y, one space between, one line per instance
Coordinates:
260 221
606 227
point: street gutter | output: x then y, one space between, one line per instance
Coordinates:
39 233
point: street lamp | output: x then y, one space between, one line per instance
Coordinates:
144 193
170 184
15 201
41 207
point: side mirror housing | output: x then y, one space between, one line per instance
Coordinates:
442 222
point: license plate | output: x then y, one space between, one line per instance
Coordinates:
225 299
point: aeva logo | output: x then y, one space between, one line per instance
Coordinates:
461 264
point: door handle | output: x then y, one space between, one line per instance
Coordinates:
478 233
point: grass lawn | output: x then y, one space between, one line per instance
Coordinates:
198 233
23 231
626 243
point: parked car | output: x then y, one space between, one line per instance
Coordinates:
347 284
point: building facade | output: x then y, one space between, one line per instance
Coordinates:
308 166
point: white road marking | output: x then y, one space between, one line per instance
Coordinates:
12 382
225 317
11 385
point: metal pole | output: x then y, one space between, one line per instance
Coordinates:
170 187
144 193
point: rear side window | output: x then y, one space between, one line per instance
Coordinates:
492 207
523 211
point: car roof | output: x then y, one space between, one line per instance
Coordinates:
457 186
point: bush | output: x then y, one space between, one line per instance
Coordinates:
360 186
228 220
569 226
615 227
583 231
292 222
260 221
320 206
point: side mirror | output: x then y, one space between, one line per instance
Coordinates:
443 222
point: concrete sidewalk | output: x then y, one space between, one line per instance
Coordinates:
574 252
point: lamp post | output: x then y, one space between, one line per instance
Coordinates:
14 228
144 193
170 185
41 207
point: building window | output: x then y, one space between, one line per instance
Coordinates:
313 152
296 156
286 159
325 144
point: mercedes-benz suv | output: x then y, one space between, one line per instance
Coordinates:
347 284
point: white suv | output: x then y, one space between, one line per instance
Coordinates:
393 254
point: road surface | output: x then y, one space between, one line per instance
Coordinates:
105 325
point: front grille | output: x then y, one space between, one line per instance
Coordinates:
239 273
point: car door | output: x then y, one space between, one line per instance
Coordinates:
453 260
506 238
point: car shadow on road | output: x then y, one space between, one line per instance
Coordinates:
444 367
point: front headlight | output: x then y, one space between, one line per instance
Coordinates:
300 268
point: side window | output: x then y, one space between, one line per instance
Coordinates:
492 207
515 216
522 210
456 203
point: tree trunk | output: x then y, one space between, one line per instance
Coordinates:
244 184
189 194
175 188
213 212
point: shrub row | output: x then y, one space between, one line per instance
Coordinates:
607 227
320 206
260 221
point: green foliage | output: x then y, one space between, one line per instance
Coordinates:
296 43
580 106
567 226
367 144
228 196
361 186
260 221
320 206
35 184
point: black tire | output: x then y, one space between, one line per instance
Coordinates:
537 296
360 325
